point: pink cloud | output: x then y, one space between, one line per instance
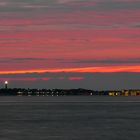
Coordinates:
36 39
63 44
46 78
75 78
18 79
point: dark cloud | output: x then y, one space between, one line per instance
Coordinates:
118 5
29 6
106 61
74 61
28 59
96 81
136 26
10 60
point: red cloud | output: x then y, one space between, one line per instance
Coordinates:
18 79
75 78
46 79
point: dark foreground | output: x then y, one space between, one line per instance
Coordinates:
70 118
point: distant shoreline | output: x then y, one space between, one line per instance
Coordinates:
66 92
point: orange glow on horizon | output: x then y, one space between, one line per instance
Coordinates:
105 69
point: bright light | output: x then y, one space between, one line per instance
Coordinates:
6 82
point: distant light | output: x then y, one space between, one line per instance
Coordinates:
6 82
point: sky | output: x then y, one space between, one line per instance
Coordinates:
70 43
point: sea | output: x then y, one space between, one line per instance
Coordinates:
69 118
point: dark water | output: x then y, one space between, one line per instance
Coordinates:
70 118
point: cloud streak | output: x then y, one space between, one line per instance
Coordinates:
105 69
69 36
95 81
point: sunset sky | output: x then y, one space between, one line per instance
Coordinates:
70 43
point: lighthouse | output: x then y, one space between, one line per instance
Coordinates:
6 84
